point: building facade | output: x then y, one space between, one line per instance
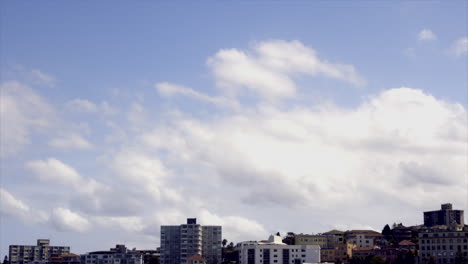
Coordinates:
445 246
41 252
332 245
364 238
118 255
274 251
445 216
183 241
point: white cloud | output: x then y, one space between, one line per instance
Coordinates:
22 111
170 89
269 70
143 171
460 47
131 224
11 206
66 220
82 105
92 195
107 109
54 171
70 141
86 106
40 77
400 147
288 158
235 228
427 34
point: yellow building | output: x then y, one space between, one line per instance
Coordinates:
322 240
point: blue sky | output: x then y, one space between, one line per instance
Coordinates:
153 103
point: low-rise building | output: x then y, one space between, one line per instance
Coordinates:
364 238
274 251
118 255
42 251
68 258
196 259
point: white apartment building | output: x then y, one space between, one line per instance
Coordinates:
274 251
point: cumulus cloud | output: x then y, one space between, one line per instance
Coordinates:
269 69
66 220
11 205
54 171
14 207
143 171
288 158
22 111
252 168
89 195
235 228
427 34
460 47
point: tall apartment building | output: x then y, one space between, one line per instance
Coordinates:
445 216
443 245
118 255
42 252
274 251
183 241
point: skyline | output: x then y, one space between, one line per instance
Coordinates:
118 118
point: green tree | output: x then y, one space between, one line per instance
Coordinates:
224 242
5 260
386 231
230 246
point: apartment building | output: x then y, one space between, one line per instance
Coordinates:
274 251
443 245
118 255
320 240
332 245
364 238
41 252
67 258
183 241
337 252
445 216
